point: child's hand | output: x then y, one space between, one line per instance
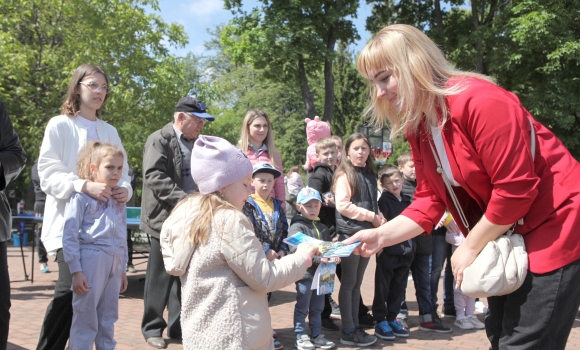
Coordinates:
336 260
281 254
378 220
329 202
308 249
324 261
271 255
80 283
335 239
306 166
124 283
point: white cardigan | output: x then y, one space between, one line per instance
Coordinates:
64 137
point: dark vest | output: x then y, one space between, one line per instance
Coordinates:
365 197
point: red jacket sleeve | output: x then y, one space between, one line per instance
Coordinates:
498 126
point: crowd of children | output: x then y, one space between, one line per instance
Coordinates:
342 197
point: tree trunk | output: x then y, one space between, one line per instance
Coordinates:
439 22
329 77
478 45
307 97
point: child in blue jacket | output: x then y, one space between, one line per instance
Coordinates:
95 248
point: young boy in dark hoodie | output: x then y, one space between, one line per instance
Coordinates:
308 302
393 263
421 268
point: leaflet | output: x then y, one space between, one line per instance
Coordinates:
327 249
323 280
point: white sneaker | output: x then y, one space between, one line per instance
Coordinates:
480 307
304 343
464 323
321 342
477 324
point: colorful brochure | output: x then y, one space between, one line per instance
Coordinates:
323 280
327 249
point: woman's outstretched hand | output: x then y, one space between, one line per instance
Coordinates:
371 242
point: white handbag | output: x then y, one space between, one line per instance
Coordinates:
501 267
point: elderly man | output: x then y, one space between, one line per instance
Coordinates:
166 180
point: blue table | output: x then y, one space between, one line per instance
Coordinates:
132 224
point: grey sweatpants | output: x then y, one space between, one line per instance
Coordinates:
96 311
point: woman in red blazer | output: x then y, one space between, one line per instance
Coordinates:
481 133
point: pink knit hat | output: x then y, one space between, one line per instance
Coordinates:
216 163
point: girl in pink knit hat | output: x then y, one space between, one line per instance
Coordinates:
210 243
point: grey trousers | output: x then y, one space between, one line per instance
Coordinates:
96 311
353 270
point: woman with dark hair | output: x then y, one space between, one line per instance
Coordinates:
483 139
64 137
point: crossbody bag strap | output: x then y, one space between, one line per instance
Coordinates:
450 188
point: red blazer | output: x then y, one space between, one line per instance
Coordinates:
487 139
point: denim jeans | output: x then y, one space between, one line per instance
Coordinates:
307 303
441 253
420 269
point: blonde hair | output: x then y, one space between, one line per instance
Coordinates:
422 72
346 168
252 115
72 103
324 143
404 158
207 205
93 153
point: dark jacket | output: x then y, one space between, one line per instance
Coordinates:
162 180
365 197
409 188
321 180
424 242
261 228
39 195
390 206
12 161
302 224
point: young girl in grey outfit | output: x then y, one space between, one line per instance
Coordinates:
95 248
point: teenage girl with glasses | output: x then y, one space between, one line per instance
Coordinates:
64 137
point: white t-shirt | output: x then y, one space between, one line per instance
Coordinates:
91 127
440 148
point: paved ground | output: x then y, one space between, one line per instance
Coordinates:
29 301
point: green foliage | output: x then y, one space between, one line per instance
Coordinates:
291 42
42 42
531 47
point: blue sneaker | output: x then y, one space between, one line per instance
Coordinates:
398 329
384 331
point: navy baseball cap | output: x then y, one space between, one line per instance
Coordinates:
265 167
194 106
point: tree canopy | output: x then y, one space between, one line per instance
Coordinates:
293 59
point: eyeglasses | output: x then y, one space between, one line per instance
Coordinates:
198 120
94 87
